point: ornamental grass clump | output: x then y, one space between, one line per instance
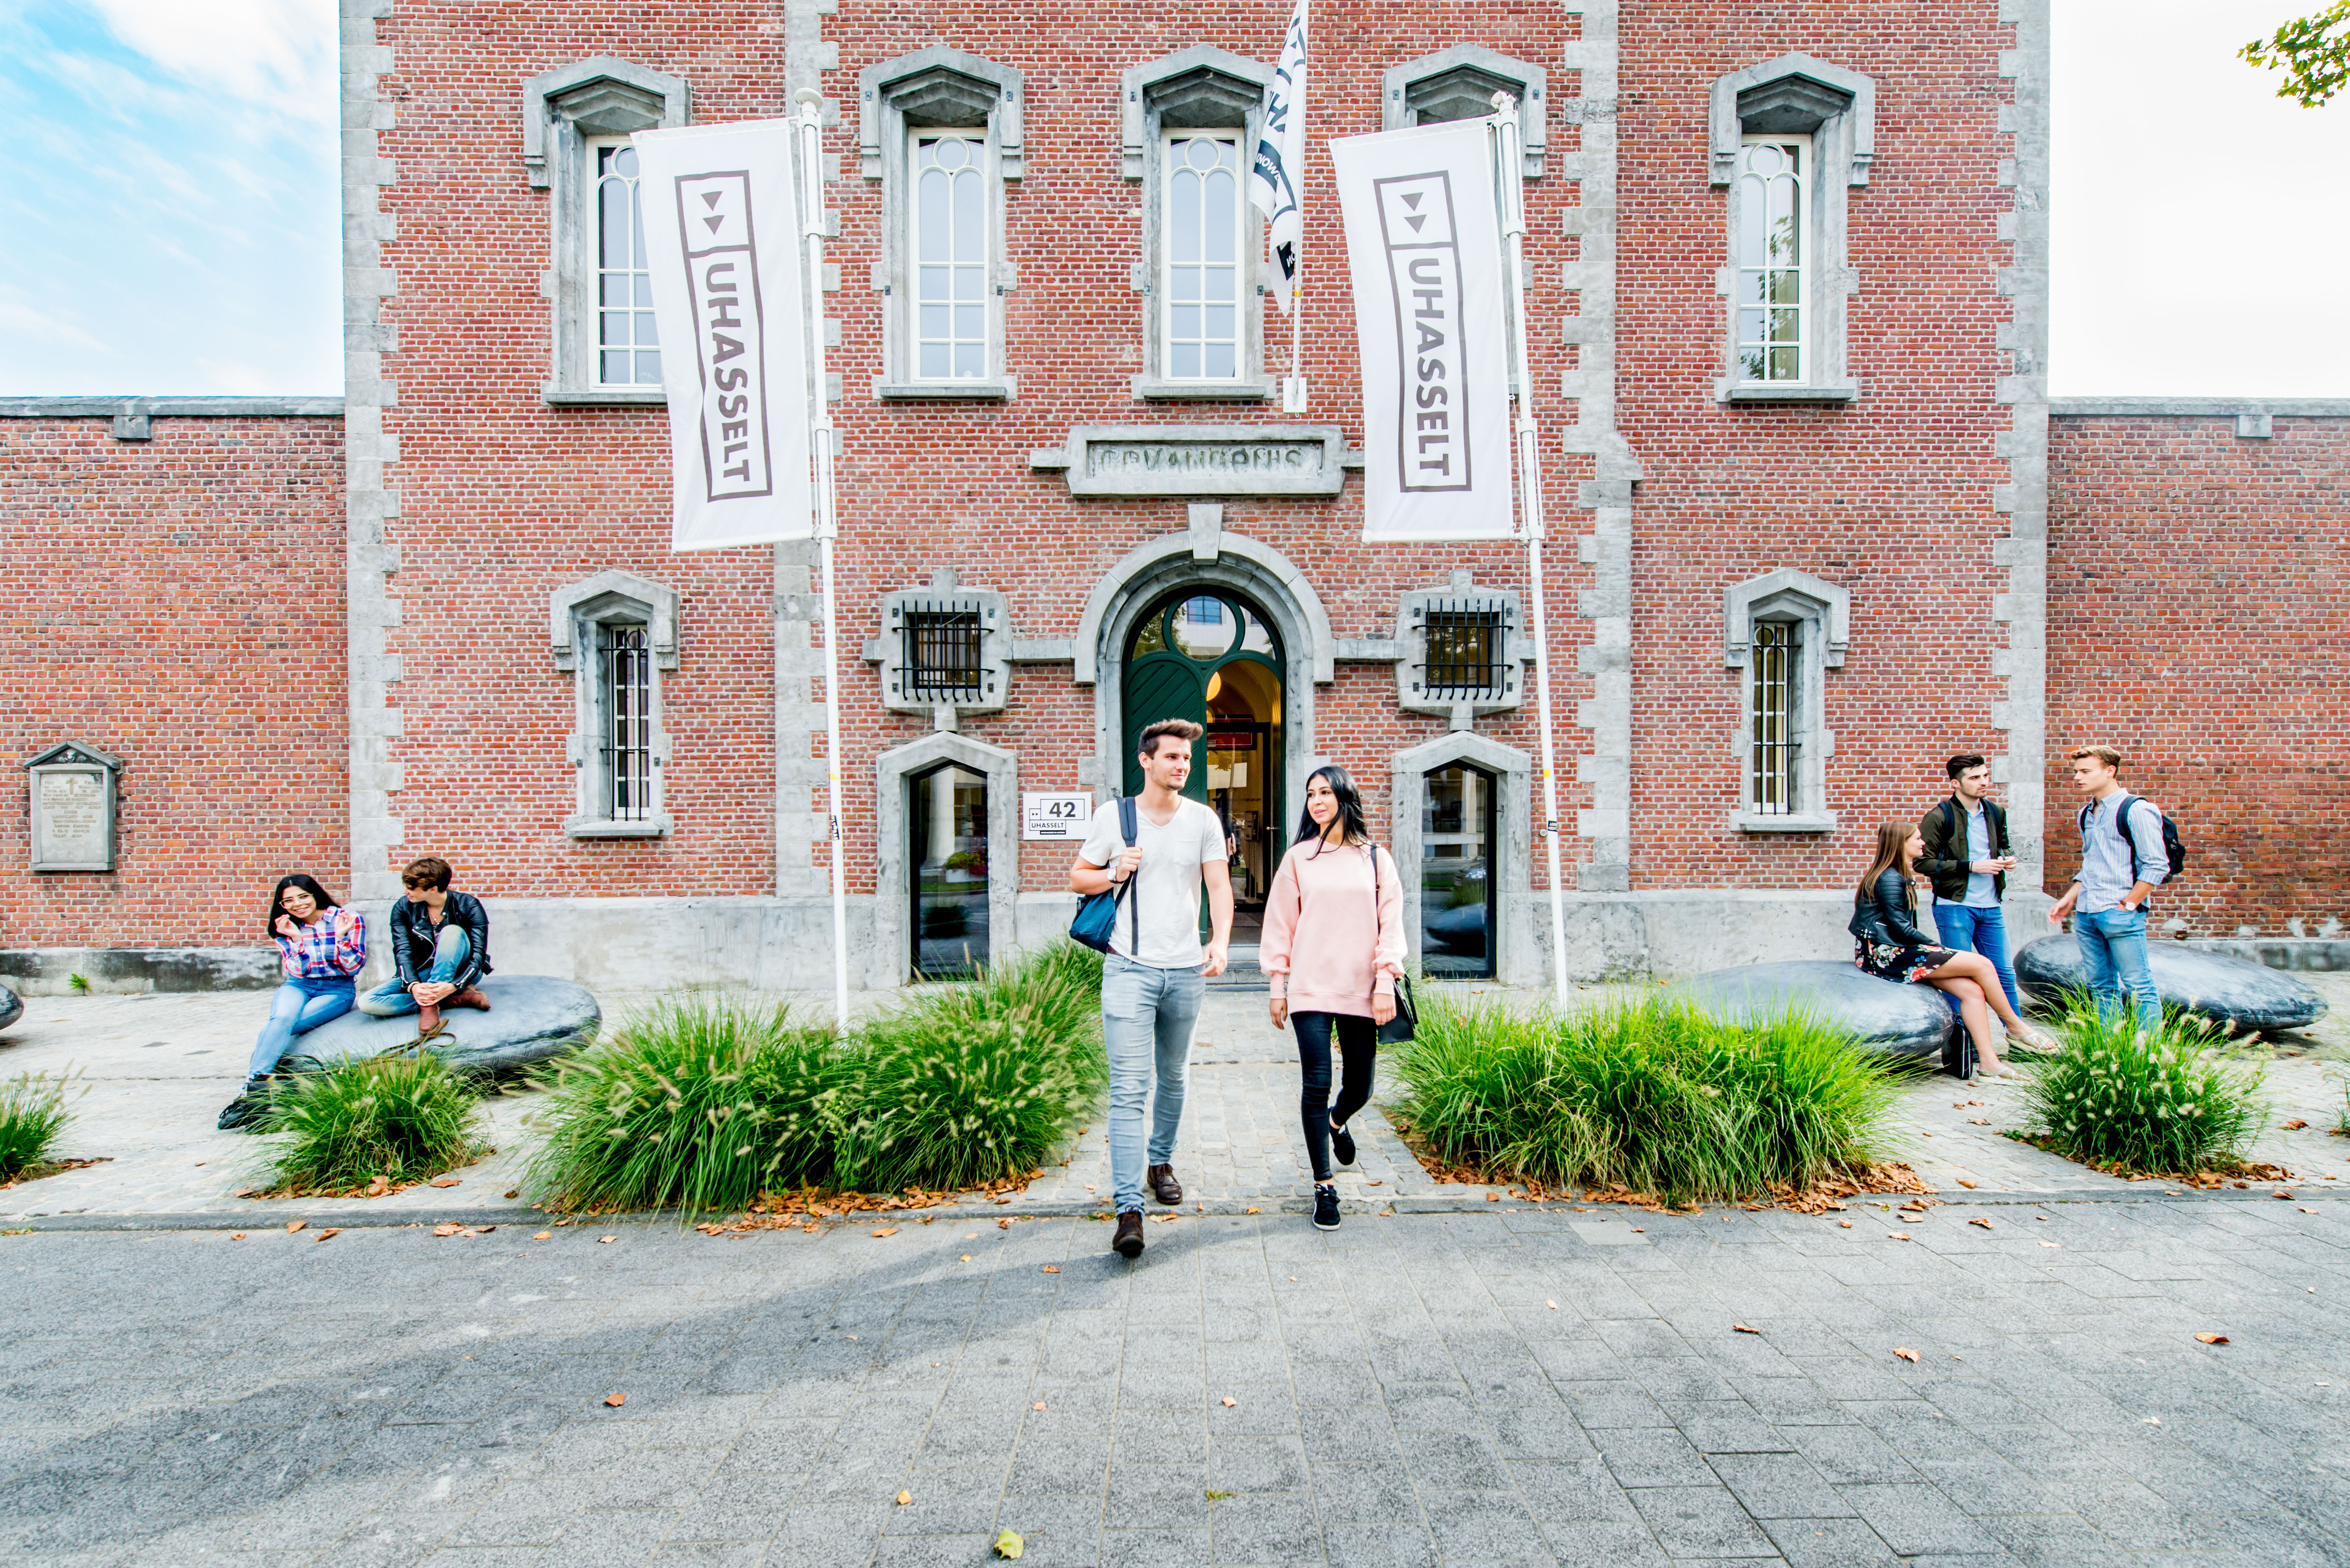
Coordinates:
695 1104
404 1119
2162 1102
1650 1096
33 1116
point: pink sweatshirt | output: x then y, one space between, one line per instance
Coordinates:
1324 947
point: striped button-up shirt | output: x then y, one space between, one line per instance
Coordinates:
333 946
2108 863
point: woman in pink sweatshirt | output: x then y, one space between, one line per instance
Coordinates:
1333 947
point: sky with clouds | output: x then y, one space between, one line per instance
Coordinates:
172 219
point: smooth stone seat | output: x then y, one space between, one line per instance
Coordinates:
1882 1015
532 1017
2217 986
12 1007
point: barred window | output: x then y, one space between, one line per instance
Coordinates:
1772 791
1464 653
628 350
624 691
943 660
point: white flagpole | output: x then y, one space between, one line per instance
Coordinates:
811 191
1510 191
1292 395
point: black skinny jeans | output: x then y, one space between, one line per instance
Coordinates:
1359 1045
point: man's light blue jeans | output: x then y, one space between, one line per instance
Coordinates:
450 948
299 1006
2113 955
1976 928
1146 1019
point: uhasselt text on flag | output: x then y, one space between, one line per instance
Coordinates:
722 252
1280 162
1424 253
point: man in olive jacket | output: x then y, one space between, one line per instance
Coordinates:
1968 860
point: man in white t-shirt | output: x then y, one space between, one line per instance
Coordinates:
1154 977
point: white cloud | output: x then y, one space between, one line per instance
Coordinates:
19 319
279 53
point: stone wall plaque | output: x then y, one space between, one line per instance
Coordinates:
72 790
1202 460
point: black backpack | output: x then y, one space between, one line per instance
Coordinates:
2174 848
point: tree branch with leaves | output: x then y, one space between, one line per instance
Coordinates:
2314 52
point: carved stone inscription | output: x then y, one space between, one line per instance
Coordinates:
72 800
1202 460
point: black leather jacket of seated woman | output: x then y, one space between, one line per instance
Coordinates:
1887 913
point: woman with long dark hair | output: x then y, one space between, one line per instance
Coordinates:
321 948
1889 945
1333 947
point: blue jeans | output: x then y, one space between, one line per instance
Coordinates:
299 1006
1970 928
450 951
1147 1018
2113 955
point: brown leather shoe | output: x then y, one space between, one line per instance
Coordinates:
428 1020
470 997
1127 1243
1161 1180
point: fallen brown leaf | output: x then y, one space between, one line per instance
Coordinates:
1256 1210
513 1192
1004 1224
2212 1339
966 1257
1978 1121
1038 1405
293 1225
445 1180
1964 1182
1904 1353
330 1230
1164 1218
1845 1224
543 1236
2295 1125
2280 1192
446 1229
904 1498
1980 1221
1897 1235
484 1229
380 1185
606 1240
236 1235
1230 1402
1553 1306
1741 1328
616 1400
886 1230
1052 1268
1492 1197
1638 1229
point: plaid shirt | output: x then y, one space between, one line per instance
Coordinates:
334 948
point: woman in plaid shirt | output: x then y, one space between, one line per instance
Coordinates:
321 947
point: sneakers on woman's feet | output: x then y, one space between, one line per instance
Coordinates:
1342 1144
1326 1207
1127 1243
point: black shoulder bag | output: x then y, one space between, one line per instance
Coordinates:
1097 917
1398 1029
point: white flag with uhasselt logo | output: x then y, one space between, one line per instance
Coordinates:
722 250
1280 162
1424 249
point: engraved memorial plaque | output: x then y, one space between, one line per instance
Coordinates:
72 798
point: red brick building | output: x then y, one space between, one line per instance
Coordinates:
1814 523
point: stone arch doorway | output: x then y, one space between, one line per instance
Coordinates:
1205 653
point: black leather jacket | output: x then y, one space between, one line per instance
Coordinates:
412 934
1887 913
1946 858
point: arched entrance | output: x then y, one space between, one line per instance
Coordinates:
1205 653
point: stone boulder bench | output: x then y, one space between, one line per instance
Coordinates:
2217 986
12 1007
532 1019
1885 1015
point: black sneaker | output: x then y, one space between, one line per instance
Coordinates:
241 1113
1326 1208
1128 1243
1342 1145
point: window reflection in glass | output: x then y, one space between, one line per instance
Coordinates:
628 349
1772 175
950 248
1203 236
947 848
1456 880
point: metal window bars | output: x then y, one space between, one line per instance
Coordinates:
1465 640
1773 657
942 662
624 675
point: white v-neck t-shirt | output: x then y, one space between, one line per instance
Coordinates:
1168 881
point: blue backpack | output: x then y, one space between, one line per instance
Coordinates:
1097 917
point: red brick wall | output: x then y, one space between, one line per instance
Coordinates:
2198 614
1890 496
177 602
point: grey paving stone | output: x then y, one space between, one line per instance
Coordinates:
1916 1520
1700 1521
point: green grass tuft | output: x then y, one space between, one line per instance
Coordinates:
33 1116
2162 1101
405 1118
1651 1095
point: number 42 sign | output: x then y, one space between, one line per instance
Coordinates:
1050 815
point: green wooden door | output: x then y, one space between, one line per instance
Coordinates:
1163 686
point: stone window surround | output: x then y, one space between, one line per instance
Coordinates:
1797 95
943 87
1518 959
1410 649
1206 88
561 110
1822 613
573 611
890 960
997 653
1404 87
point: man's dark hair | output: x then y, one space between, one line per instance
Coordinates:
430 872
1182 729
1963 761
